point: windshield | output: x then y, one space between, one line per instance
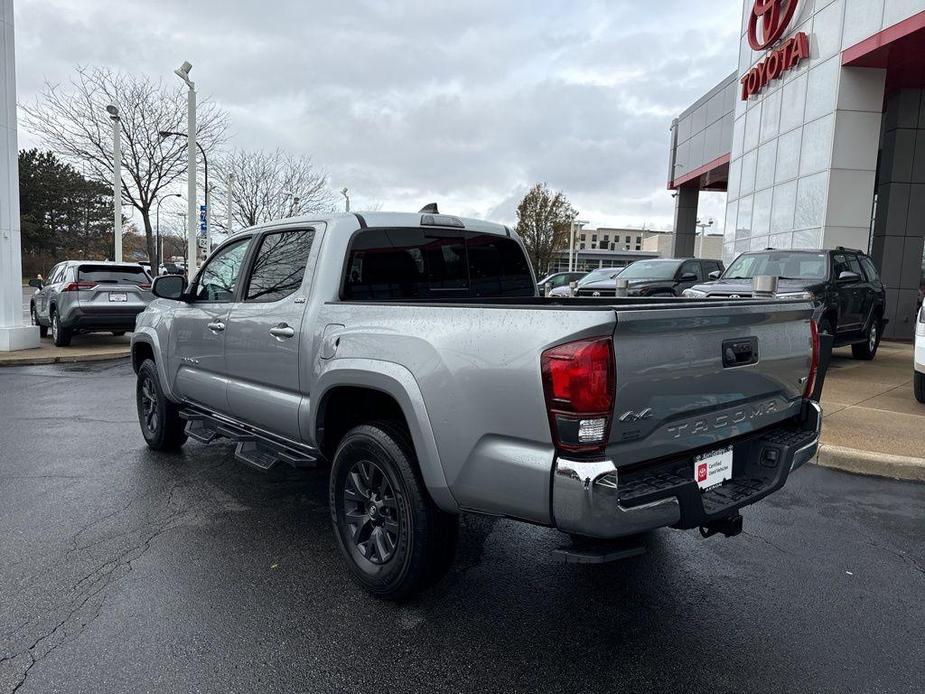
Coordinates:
650 270
788 265
601 275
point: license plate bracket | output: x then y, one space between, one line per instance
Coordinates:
713 468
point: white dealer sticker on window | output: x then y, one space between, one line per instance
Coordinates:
713 468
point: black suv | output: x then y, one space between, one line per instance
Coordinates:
656 277
843 283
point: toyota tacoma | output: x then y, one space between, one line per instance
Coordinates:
412 355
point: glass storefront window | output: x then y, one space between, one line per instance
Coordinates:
785 197
810 204
788 156
817 145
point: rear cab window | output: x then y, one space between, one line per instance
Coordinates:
108 274
434 264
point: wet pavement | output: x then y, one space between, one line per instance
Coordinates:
125 570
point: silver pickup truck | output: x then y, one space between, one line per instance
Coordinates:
411 353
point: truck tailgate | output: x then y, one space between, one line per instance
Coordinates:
695 376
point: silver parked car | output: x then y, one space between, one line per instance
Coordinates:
89 296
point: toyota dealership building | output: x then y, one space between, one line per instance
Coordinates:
818 139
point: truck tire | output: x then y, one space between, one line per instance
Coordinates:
867 350
161 424
920 387
60 336
395 540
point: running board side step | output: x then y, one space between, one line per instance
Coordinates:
255 448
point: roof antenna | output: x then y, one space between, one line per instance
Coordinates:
430 209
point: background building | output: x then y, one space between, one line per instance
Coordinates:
818 138
610 247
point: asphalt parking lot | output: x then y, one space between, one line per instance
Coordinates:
125 570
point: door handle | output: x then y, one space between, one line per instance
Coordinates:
216 327
282 331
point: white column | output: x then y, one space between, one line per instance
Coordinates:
14 334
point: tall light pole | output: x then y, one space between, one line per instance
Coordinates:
157 232
346 197
192 262
572 255
703 226
205 165
113 112
228 188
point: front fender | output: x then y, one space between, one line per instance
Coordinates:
397 381
148 329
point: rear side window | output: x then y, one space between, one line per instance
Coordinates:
415 264
279 265
107 274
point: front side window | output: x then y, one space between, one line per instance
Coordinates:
217 280
390 264
279 265
691 267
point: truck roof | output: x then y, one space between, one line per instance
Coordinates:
395 220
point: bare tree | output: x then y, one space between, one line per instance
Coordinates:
74 123
543 219
271 185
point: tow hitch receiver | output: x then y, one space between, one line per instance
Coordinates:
729 526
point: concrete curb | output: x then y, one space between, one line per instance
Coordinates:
896 467
64 359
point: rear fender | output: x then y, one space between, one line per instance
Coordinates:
398 382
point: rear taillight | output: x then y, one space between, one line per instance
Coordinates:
814 361
144 286
77 286
579 381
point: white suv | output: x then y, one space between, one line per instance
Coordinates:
920 356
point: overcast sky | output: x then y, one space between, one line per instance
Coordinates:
465 103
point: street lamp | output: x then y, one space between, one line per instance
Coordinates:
703 226
205 165
157 232
113 112
193 256
572 256
228 188
347 197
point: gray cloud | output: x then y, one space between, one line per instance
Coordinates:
407 102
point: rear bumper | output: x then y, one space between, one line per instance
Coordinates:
101 319
596 499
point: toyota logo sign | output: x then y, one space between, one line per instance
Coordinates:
768 21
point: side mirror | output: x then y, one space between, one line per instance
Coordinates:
848 276
37 283
688 277
169 287
714 275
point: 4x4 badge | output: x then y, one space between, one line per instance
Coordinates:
629 417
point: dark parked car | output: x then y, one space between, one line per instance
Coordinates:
844 284
657 277
559 279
